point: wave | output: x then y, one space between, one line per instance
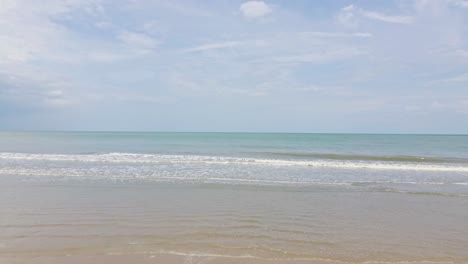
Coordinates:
168 159
334 156
280 255
124 175
424 193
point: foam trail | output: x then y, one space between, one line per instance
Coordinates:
161 158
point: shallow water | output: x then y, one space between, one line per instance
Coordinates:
232 198
88 218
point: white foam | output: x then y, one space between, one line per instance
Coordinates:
291 257
159 158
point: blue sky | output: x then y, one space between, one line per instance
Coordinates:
290 66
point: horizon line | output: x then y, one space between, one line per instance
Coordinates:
227 132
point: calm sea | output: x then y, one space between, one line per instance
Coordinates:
233 197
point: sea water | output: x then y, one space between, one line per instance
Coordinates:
233 197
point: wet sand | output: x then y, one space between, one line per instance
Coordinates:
109 222
165 258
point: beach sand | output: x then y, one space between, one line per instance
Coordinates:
103 222
163 258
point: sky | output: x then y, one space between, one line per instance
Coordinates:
226 65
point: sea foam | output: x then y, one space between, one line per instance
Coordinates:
168 159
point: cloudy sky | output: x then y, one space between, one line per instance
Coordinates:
228 65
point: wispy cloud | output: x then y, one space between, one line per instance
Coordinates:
320 57
139 41
463 53
460 3
321 34
214 46
145 55
456 79
349 14
387 18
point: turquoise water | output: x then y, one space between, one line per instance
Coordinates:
286 145
410 163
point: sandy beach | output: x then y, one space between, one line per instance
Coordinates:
96 222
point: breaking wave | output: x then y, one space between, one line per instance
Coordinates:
187 159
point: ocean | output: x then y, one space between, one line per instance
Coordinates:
125 197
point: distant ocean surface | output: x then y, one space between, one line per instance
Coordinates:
426 163
344 198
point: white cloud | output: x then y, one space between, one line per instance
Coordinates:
59 53
180 7
106 56
386 18
462 53
138 40
34 34
460 3
321 34
26 31
321 57
104 25
212 46
348 16
460 106
57 102
252 9
459 78
129 97
454 80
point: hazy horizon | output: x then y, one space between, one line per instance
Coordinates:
227 132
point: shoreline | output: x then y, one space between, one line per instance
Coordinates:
151 258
